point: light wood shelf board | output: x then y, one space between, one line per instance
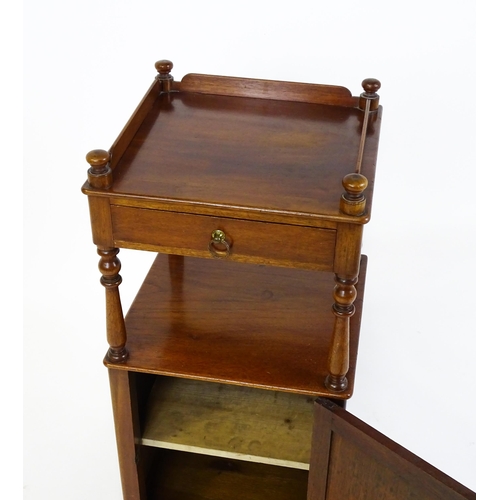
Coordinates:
230 421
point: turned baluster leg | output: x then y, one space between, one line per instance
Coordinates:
346 267
100 176
109 265
343 308
348 250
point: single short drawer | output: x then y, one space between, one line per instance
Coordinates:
225 238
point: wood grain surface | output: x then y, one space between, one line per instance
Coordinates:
235 323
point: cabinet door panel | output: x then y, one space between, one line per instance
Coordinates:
351 460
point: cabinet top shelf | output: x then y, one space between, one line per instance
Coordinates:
254 149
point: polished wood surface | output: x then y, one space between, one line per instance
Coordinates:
124 397
267 89
352 460
291 162
237 323
346 266
109 265
248 241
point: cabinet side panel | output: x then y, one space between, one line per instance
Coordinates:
123 397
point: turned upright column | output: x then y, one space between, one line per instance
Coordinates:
346 266
100 176
348 250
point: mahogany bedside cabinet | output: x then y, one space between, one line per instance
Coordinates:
254 194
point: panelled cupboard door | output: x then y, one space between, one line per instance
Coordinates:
352 461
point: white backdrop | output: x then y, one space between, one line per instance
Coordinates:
87 65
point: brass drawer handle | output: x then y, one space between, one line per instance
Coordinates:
219 246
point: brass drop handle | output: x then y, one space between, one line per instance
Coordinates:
219 245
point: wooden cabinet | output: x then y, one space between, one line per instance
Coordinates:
254 194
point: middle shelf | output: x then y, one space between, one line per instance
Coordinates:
242 324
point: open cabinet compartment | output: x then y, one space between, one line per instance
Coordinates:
211 440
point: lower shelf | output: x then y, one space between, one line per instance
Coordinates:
188 476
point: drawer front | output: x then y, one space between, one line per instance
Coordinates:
245 241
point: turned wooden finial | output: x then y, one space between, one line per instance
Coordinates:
353 201
370 87
99 174
164 67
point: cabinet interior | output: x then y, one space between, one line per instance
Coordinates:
209 438
189 476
